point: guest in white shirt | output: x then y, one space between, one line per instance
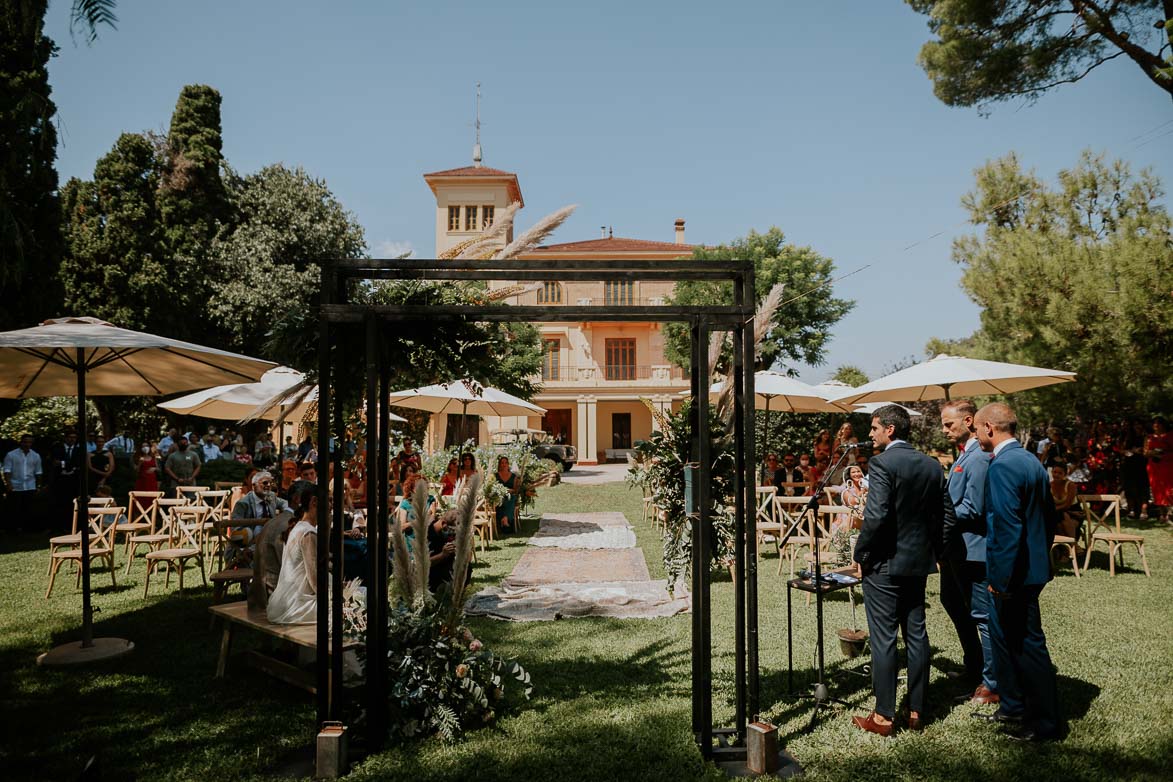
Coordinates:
22 477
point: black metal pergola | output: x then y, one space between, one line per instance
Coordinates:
367 323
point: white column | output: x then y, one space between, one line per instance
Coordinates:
592 428
581 439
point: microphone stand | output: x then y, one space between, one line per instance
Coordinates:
820 695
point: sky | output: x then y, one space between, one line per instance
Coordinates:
805 114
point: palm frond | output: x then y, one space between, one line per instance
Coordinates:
455 250
657 414
420 552
468 493
494 238
90 14
763 319
537 233
400 561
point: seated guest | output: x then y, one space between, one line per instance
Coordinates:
258 506
1063 492
468 465
307 481
442 548
788 474
770 470
507 509
853 495
450 478
269 550
815 474
295 598
406 511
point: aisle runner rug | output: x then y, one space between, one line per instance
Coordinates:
559 577
585 531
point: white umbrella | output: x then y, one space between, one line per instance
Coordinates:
871 407
784 394
946 377
89 357
466 397
274 397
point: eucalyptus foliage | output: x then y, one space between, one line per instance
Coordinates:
659 469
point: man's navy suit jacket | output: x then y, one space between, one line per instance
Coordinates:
1018 505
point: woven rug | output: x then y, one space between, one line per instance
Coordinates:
558 578
584 531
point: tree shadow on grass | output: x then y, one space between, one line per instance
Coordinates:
156 712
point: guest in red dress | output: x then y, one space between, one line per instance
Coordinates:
1158 448
147 462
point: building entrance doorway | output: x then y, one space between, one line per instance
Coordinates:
557 423
621 430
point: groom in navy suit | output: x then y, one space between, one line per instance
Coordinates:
1018 564
907 514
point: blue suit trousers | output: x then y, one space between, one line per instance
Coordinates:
1026 677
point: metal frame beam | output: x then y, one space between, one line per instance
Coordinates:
338 318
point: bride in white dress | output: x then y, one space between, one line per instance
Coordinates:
295 599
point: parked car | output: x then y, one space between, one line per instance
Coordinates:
541 444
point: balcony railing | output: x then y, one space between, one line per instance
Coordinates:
613 373
601 301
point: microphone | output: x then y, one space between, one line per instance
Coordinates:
850 446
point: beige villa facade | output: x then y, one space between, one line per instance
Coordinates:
594 375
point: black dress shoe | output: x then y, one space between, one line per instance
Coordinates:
997 717
1025 733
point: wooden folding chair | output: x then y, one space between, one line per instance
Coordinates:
226 485
788 511
186 543
217 500
766 517
1109 519
101 544
143 508
58 542
137 521
1067 542
190 493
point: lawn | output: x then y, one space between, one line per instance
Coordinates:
611 697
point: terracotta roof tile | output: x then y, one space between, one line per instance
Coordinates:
616 245
472 171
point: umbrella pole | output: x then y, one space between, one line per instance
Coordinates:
83 502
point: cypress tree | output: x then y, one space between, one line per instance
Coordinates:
30 214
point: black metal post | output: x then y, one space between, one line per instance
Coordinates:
705 523
375 705
339 487
698 360
83 505
382 490
322 660
740 505
748 445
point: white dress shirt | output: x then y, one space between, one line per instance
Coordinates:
22 469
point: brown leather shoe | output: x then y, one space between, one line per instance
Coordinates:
984 695
869 724
915 722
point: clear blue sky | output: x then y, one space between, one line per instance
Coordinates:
812 116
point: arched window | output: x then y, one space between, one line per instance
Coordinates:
550 293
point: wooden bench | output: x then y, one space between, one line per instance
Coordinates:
305 636
617 454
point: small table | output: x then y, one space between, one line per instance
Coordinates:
806 585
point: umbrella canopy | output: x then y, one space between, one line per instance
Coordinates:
275 396
871 407
88 357
465 397
43 361
779 393
952 377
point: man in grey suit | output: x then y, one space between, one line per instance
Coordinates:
963 564
904 523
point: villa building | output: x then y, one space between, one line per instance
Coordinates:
593 374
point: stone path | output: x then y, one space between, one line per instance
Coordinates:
579 564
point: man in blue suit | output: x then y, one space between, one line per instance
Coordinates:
907 510
964 592
1018 564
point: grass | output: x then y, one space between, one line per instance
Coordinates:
612 696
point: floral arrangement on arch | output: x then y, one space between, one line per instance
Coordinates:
442 678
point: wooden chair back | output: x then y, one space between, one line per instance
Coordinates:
187 526
765 505
142 509
217 500
95 502
788 509
833 494
103 524
799 488
190 493
228 485
1108 517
